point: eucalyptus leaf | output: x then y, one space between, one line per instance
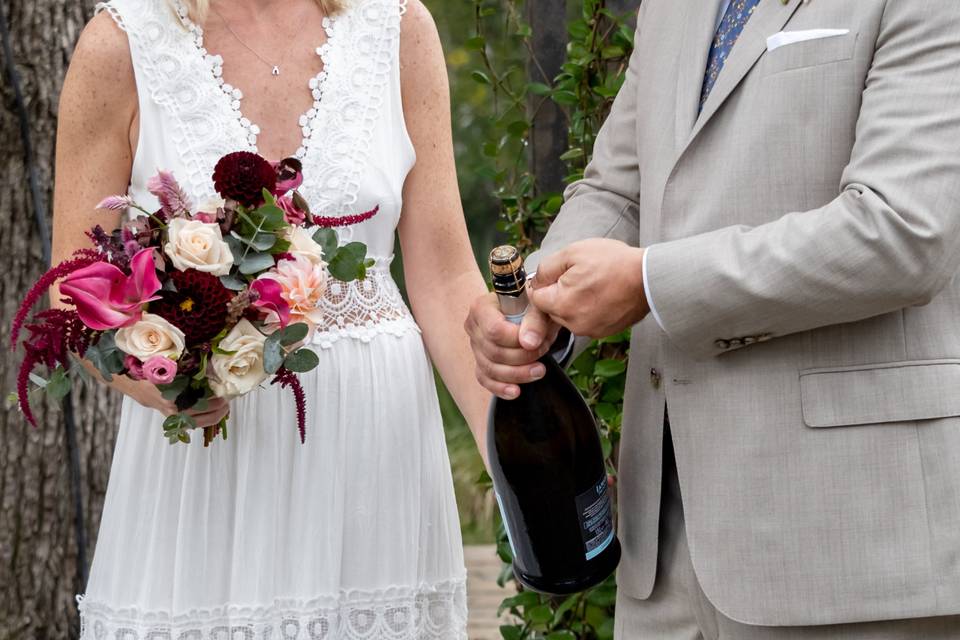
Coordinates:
233 282
261 241
39 380
171 391
328 241
302 361
255 263
294 333
348 263
59 385
273 354
236 248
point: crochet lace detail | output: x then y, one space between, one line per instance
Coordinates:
428 612
359 57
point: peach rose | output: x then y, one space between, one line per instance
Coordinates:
303 285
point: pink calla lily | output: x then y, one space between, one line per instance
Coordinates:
106 298
270 299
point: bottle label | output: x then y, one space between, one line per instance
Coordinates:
506 524
596 518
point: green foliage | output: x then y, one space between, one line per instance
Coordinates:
600 45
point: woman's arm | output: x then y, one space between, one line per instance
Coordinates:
441 272
96 142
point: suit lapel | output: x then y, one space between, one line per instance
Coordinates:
699 24
768 18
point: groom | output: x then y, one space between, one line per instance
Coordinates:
793 171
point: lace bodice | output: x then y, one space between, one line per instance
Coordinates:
355 149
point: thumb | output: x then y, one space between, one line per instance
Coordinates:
534 329
551 268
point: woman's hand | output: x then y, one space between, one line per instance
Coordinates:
148 395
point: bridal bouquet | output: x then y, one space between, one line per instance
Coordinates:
203 302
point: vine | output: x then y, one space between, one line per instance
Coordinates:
597 54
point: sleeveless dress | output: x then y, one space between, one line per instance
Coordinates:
353 535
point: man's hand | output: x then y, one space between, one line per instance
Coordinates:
507 354
593 287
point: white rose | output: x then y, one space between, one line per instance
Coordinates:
239 373
303 244
151 336
193 244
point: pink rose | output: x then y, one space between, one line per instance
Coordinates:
106 298
291 213
159 370
289 175
134 367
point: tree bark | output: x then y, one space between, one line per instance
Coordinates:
40 569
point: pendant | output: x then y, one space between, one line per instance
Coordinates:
276 71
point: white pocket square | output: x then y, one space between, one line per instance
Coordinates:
784 38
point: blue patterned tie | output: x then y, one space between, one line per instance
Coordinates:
734 20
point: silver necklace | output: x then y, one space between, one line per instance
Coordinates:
274 67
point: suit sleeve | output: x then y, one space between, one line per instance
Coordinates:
605 203
889 241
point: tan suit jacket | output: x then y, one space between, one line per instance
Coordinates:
805 233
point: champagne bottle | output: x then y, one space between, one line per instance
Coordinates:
548 469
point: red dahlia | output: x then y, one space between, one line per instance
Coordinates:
242 176
198 307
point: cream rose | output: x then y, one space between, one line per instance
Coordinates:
193 244
302 244
151 336
239 373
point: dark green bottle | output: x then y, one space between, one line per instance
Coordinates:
548 468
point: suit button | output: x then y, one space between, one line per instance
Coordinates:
765 337
722 344
655 378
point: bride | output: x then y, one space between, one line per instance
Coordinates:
354 534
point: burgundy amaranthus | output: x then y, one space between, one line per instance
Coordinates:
288 379
82 258
345 221
54 334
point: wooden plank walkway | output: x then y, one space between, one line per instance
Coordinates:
483 594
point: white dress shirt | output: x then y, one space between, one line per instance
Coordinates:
724 5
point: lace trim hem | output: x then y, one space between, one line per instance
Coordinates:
428 612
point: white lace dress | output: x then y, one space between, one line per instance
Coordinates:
355 534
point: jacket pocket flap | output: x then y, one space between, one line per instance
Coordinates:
873 394
810 53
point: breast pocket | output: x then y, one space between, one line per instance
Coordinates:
810 53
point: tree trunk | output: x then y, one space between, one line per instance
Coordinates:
548 137
41 491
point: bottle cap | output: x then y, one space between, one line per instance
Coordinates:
505 260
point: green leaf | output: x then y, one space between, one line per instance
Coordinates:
39 380
12 400
538 89
302 361
293 333
572 154
539 615
255 263
511 632
261 241
607 411
273 354
177 428
565 98
233 282
328 241
481 77
561 635
348 263
105 356
59 384
476 43
609 368
172 391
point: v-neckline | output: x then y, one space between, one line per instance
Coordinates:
309 119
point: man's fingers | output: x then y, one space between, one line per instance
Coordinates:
551 301
508 374
535 329
551 268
